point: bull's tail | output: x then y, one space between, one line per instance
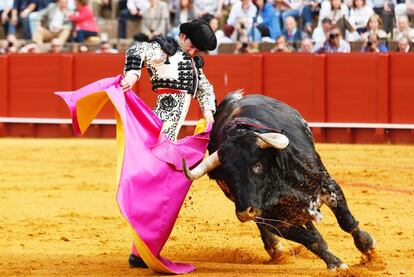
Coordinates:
230 98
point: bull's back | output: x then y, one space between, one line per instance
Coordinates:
270 112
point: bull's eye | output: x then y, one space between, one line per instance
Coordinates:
257 168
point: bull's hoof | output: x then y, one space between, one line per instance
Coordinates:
339 267
275 251
136 262
364 242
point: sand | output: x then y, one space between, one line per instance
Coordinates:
58 216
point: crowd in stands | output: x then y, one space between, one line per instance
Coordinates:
241 26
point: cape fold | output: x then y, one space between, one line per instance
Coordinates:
151 186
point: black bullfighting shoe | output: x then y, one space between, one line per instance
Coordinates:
135 261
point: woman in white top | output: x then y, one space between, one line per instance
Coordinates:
374 26
403 28
241 18
334 10
338 12
242 13
359 15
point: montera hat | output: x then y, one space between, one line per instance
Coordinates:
200 34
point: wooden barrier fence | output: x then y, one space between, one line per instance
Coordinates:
348 98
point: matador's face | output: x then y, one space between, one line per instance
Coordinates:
187 46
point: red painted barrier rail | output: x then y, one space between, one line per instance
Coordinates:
349 98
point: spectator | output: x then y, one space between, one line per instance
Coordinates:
333 44
213 7
3 46
184 12
338 12
105 48
85 24
291 32
406 8
374 45
83 48
334 10
306 46
34 21
173 7
8 46
280 7
385 9
291 8
134 11
225 6
56 46
374 27
30 48
214 25
320 34
243 46
56 21
228 31
266 21
282 46
80 48
359 15
241 17
223 36
311 9
5 12
20 15
102 8
404 45
403 28
155 21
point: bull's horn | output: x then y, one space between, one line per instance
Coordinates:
276 140
208 164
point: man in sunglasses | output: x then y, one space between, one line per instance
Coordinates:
334 43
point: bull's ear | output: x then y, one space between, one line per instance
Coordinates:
275 140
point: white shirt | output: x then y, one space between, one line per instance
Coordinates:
138 4
55 25
379 3
183 16
318 35
208 6
408 32
237 12
359 17
5 4
229 2
343 47
221 38
326 12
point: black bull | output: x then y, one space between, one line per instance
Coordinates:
264 159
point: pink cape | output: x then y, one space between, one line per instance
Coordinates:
151 184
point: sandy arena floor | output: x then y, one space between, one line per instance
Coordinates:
58 216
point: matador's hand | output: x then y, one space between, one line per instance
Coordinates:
208 115
128 81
